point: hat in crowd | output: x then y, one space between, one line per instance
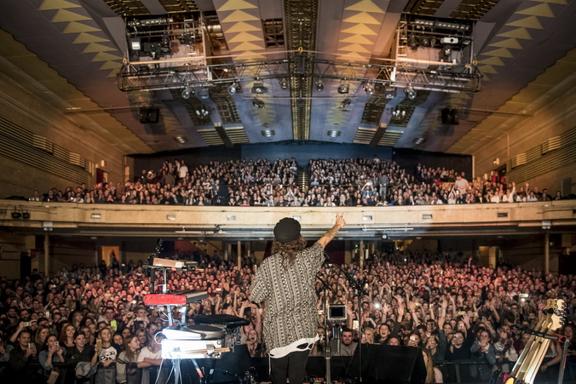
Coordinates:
287 230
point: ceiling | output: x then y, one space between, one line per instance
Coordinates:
84 42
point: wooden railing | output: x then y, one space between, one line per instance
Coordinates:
257 222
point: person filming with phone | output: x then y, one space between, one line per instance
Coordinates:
23 359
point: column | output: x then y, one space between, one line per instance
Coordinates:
46 254
361 254
239 253
547 252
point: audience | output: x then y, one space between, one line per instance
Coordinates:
332 183
443 303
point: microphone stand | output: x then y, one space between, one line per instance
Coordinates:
327 346
358 286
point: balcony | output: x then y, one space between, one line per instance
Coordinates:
257 222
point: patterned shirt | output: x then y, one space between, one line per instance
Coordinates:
289 296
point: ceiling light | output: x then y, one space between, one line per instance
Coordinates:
343 88
181 139
258 103
268 132
418 140
333 133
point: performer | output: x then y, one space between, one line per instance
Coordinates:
284 284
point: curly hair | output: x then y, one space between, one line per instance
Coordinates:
288 250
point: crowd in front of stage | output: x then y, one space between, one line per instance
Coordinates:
90 324
328 183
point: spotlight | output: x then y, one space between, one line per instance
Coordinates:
257 103
410 93
319 85
283 83
343 88
399 114
25 215
234 88
259 88
186 93
202 112
16 215
369 88
345 103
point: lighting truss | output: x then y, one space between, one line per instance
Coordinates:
399 74
171 53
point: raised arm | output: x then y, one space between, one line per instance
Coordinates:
329 235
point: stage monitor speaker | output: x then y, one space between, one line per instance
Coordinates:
389 364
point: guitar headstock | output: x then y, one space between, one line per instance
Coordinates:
555 310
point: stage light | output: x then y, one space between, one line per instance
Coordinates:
16 215
369 88
345 103
258 103
319 85
186 93
135 44
259 88
343 88
233 88
283 83
202 112
410 93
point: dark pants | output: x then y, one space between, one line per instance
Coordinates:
292 366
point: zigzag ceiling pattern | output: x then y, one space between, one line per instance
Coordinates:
361 23
242 27
80 24
515 30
